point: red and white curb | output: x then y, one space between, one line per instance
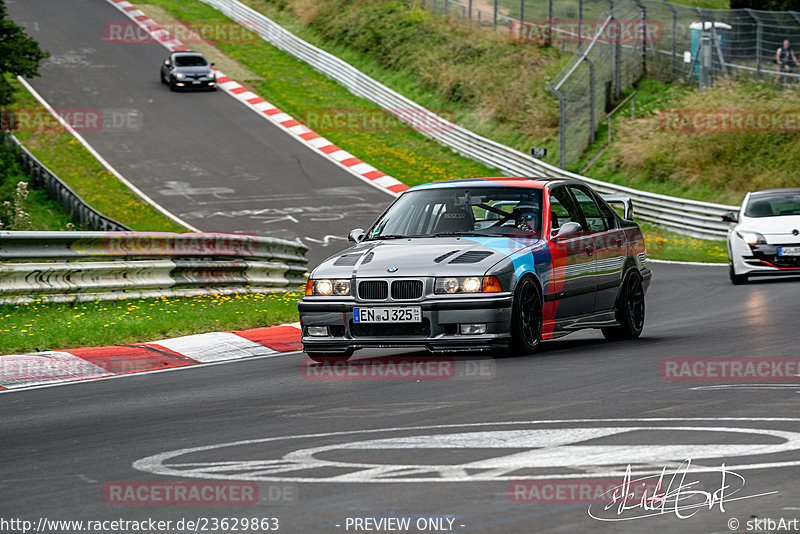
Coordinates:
284 121
55 367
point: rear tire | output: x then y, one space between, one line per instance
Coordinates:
629 310
526 317
736 279
330 357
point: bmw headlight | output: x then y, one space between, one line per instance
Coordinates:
328 288
751 238
467 284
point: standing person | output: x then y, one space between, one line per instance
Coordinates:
785 59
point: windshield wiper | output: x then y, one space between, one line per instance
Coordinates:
473 233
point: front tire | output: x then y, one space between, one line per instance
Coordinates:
526 317
736 279
629 310
330 357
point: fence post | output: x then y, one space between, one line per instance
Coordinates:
592 124
674 39
645 34
759 37
550 21
447 7
521 14
495 14
561 124
580 22
469 7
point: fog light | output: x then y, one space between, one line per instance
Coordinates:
318 331
470 328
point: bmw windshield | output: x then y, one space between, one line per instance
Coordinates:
479 211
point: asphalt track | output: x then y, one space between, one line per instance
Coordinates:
203 156
62 445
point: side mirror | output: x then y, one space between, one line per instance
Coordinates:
570 229
211 64
730 217
356 236
166 62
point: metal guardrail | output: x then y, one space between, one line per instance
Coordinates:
113 265
690 217
43 178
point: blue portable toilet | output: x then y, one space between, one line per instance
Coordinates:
720 32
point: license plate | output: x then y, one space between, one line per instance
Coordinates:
387 315
789 251
196 83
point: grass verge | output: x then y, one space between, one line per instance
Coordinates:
40 325
683 143
70 161
42 212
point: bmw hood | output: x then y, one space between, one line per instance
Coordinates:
421 257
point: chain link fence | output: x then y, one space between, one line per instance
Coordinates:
616 42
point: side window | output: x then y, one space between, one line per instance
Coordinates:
562 208
608 214
591 213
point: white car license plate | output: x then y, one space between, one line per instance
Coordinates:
789 251
387 315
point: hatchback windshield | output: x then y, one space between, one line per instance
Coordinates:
773 205
190 61
482 211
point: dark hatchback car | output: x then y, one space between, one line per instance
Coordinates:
188 70
480 264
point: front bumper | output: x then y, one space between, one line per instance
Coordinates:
438 332
189 83
762 259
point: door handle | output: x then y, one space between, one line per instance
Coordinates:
589 250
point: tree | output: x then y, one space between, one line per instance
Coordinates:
767 5
20 55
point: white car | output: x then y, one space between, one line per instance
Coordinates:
764 238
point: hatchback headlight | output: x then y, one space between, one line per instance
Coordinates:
328 288
179 75
751 238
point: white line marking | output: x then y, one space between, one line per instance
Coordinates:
215 347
